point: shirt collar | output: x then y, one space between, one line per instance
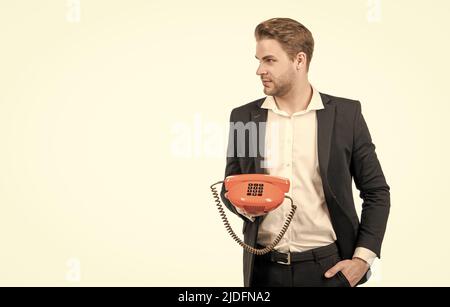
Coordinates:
315 104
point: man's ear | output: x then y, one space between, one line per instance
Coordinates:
300 59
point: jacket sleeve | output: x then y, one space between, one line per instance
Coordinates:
232 166
374 191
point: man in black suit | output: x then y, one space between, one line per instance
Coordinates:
319 142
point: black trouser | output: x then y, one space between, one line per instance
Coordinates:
306 269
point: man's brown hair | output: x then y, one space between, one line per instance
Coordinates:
292 36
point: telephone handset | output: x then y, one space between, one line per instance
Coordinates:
255 194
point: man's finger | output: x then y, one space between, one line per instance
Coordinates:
338 267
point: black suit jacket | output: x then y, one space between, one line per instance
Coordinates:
345 151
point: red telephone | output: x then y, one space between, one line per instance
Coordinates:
256 194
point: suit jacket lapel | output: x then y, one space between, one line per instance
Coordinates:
259 116
325 123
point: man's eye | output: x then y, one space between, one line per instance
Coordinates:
270 60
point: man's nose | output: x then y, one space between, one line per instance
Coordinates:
260 70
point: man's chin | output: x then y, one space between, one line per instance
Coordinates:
268 91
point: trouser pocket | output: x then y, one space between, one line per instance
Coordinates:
343 279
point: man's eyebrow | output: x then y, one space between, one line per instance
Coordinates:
266 57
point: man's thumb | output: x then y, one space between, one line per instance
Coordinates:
331 272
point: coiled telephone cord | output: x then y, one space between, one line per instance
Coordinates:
250 249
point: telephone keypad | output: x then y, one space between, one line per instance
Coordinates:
255 189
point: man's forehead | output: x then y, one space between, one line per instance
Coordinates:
268 48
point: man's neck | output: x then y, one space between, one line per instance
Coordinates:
296 100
